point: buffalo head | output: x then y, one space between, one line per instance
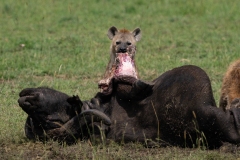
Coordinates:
49 111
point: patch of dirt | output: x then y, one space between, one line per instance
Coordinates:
85 150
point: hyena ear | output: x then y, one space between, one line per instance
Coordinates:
112 32
137 34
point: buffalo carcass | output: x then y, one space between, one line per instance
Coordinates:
177 108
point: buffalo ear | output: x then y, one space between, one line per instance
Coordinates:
141 89
76 103
112 32
137 34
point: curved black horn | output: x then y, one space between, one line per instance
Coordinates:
96 115
73 127
86 117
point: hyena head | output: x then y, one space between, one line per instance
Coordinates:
124 41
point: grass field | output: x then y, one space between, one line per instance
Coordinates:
63 44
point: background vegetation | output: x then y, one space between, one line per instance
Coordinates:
63 44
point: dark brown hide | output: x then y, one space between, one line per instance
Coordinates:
179 110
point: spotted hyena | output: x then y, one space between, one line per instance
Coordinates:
230 92
123 46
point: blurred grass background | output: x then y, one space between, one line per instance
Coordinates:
63 44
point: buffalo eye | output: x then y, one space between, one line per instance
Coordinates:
129 43
118 42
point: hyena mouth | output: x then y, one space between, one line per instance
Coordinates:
123 71
125 68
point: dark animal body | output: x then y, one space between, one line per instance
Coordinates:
177 108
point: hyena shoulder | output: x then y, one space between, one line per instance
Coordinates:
230 90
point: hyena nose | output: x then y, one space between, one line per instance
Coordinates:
123 50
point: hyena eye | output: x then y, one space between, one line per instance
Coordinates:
118 42
129 43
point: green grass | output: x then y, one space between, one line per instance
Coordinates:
63 44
